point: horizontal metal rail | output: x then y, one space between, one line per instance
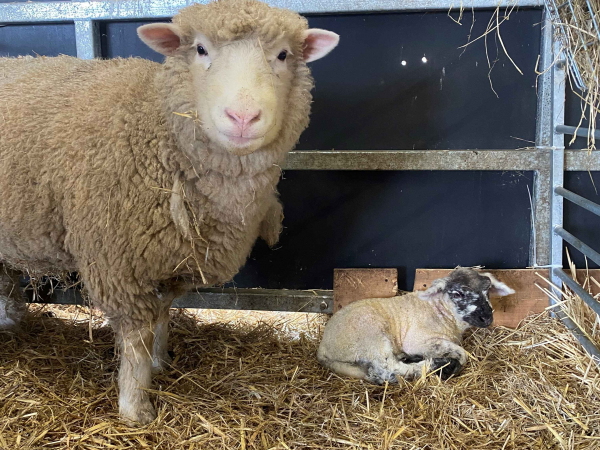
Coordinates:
521 159
578 131
578 244
577 289
578 200
313 301
62 11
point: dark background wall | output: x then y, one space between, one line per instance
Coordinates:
366 99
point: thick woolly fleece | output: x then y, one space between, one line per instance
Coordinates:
90 152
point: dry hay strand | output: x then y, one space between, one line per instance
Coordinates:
251 381
581 38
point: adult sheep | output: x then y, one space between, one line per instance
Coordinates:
382 339
149 178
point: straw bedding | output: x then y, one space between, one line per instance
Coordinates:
251 381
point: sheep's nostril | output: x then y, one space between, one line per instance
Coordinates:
254 118
242 119
234 116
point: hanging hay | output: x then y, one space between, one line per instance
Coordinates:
251 381
577 29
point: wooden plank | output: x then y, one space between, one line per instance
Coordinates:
356 284
510 310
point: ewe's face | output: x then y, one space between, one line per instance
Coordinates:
242 90
241 86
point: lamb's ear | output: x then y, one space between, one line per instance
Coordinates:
498 287
165 38
436 288
317 43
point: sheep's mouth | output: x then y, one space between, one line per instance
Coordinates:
242 145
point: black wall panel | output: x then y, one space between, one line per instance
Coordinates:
393 219
41 39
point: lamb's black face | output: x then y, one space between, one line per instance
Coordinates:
469 292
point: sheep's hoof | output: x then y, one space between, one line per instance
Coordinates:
142 415
160 363
411 359
448 366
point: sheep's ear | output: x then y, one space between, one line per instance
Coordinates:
317 43
436 288
165 38
498 287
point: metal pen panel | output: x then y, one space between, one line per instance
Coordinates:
578 200
578 244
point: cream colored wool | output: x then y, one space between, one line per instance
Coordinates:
90 152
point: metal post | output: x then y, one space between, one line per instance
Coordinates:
557 165
87 39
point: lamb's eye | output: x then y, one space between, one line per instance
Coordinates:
282 55
202 51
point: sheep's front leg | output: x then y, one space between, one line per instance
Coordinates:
12 303
447 356
135 374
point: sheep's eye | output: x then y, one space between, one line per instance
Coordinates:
202 51
282 55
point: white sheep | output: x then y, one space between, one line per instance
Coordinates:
150 178
381 339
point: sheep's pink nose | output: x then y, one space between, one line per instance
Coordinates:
242 119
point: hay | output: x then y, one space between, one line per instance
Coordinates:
251 381
577 28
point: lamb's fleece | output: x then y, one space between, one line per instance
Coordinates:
90 152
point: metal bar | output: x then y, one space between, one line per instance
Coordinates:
587 345
258 299
314 301
60 11
527 159
539 242
578 200
578 244
578 131
87 39
582 160
557 166
577 289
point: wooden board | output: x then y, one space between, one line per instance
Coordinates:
356 284
510 310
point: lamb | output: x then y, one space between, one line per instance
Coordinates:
150 178
381 339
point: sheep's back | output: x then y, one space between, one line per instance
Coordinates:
78 153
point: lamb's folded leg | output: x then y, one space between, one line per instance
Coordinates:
447 356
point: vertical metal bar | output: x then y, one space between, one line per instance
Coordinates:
558 163
540 239
87 39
